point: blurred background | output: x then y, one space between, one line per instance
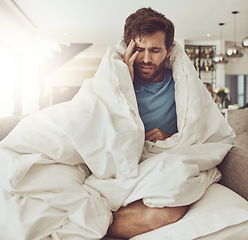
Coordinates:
49 47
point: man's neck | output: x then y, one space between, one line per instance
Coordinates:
158 78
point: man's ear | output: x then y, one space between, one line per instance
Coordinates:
169 51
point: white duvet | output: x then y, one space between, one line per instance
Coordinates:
64 169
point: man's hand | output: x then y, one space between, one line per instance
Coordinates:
156 134
129 57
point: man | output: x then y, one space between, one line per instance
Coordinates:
149 36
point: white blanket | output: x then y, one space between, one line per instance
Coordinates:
47 190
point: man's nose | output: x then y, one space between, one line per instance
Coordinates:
147 57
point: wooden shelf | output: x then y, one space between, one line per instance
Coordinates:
202 58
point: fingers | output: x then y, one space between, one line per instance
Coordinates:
129 51
156 134
151 132
152 135
132 59
129 57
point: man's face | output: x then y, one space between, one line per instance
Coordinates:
149 64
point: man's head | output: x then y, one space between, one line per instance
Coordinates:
153 35
148 21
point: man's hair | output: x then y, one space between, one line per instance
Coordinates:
148 21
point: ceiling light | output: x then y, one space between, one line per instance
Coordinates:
220 58
235 51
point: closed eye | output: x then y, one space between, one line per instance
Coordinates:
155 50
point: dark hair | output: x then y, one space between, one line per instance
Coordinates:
148 21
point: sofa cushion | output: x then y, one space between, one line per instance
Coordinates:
238 121
234 170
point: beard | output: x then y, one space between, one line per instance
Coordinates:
149 76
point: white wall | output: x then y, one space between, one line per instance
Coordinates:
237 66
74 72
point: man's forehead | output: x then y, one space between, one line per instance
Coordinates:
156 40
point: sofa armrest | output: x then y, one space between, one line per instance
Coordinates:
7 124
234 169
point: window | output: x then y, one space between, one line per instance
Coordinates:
6 82
238 88
241 90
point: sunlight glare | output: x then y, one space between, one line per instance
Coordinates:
6 83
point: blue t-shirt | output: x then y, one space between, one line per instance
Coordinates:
156 102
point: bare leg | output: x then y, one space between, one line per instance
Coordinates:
136 218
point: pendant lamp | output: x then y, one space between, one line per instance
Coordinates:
220 58
245 42
234 51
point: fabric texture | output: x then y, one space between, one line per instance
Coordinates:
83 158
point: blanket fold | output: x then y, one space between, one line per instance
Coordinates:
81 159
